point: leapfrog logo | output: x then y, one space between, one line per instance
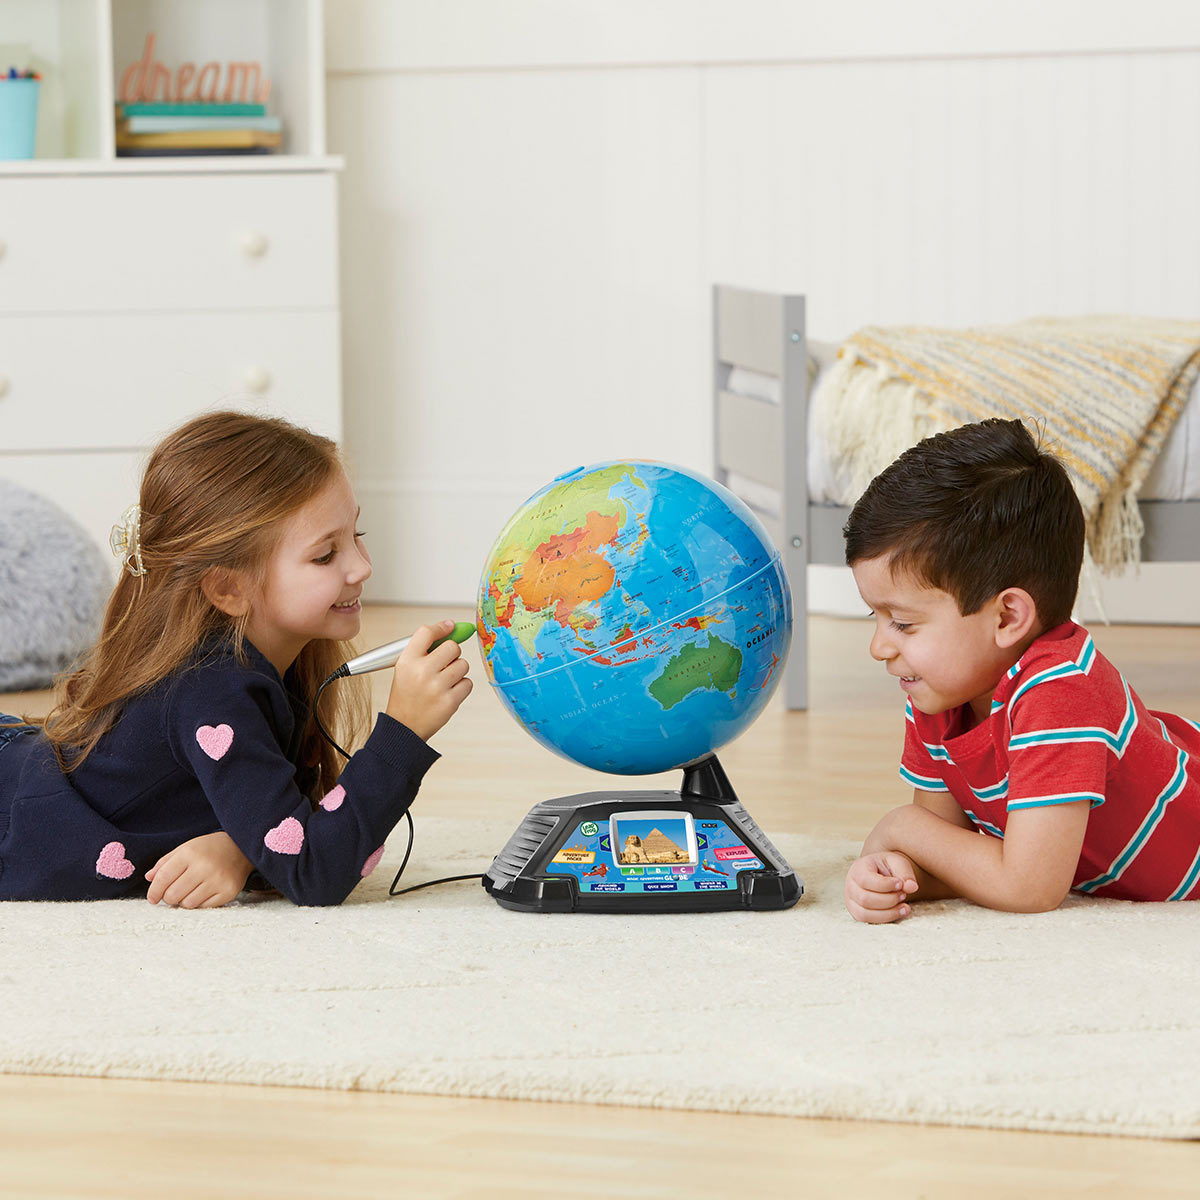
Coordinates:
588 828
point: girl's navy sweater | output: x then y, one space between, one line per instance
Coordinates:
214 747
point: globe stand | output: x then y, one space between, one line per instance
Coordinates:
692 850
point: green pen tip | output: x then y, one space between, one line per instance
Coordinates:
462 631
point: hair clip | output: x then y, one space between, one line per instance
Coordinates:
125 540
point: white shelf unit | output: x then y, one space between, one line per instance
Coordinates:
82 48
138 292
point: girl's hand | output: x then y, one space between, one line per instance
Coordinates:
428 685
206 872
878 887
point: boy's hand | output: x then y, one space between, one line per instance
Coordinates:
878 887
206 872
428 685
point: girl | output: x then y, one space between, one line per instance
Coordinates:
183 750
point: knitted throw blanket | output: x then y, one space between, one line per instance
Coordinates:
1105 390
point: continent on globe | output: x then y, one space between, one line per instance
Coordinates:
716 665
551 563
568 571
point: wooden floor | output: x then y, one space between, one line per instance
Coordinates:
831 770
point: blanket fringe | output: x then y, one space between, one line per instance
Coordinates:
1087 576
869 418
1115 536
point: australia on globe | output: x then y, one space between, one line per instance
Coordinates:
634 616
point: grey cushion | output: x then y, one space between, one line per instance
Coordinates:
54 581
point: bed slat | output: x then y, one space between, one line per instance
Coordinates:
744 426
747 327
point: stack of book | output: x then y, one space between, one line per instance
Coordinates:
196 128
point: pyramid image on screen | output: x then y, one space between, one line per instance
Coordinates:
656 847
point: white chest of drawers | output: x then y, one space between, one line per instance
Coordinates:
132 300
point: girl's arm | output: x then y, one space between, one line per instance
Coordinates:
230 726
205 872
313 856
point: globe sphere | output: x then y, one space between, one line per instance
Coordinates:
634 616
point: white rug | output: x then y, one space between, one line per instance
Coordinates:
1086 1019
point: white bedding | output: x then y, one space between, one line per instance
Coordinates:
1174 476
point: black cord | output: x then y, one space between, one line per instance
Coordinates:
342 673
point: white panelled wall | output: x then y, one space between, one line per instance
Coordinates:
534 209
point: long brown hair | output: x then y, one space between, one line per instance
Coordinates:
215 494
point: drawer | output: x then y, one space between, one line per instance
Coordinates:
93 488
109 243
119 382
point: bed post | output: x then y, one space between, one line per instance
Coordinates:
720 375
764 442
793 500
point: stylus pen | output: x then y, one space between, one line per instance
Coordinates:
385 656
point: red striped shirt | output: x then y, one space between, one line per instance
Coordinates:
1065 726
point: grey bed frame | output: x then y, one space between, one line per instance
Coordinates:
765 443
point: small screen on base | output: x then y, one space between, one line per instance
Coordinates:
650 850
649 838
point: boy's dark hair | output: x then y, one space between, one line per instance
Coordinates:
974 511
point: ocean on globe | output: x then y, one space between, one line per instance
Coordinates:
634 616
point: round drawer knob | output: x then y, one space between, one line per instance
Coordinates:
257 380
3 386
254 245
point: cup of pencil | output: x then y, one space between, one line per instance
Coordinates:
18 113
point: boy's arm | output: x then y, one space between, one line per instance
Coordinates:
943 804
1029 870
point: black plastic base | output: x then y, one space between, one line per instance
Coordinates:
517 878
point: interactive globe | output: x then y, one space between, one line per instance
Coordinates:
634 616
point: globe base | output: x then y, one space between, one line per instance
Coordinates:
692 850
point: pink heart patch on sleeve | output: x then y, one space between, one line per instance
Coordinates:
372 862
286 838
333 799
214 740
112 863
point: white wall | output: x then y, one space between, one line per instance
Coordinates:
538 196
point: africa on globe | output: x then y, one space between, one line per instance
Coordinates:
634 616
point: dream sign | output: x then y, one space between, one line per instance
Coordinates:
235 82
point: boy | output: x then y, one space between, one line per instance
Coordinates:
1036 768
